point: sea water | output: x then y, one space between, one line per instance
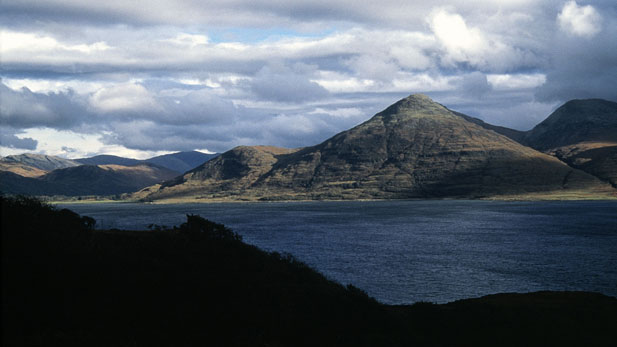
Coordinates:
402 252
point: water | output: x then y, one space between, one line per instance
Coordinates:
410 251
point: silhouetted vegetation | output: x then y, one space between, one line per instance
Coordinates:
65 284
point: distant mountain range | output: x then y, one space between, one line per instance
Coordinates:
415 148
36 174
179 162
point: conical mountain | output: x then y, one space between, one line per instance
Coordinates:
415 148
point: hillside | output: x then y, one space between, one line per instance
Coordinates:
37 161
86 180
179 162
106 179
582 133
415 148
577 121
21 169
64 284
106 159
12 183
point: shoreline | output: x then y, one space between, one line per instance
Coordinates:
241 201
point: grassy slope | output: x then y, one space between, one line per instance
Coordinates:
64 284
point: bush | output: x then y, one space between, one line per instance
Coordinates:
198 226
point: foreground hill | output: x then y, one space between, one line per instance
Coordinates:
86 180
64 284
415 148
179 162
582 133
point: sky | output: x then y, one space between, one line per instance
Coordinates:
143 78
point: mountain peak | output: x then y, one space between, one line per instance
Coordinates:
414 106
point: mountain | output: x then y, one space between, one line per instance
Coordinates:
106 159
415 148
12 183
515 135
21 169
181 161
38 161
582 133
577 121
86 180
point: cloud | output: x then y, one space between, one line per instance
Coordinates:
281 83
577 20
123 98
582 67
465 46
474 85
9 139
178 75
460 42
26 109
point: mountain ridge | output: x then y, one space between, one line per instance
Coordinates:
415 148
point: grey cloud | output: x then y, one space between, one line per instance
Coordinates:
474 85
582 67
514 109
9 139
292 129
281 83
69 149
274 78
25 109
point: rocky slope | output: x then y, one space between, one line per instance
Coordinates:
415 148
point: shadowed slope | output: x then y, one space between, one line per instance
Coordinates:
582 133
577 121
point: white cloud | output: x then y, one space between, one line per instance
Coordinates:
124 97
516 81
190 40
461 42
31 42
469 45
578 20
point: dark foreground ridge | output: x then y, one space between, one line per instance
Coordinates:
65 284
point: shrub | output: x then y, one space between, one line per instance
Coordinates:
198 226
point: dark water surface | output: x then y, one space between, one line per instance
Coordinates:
409 251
